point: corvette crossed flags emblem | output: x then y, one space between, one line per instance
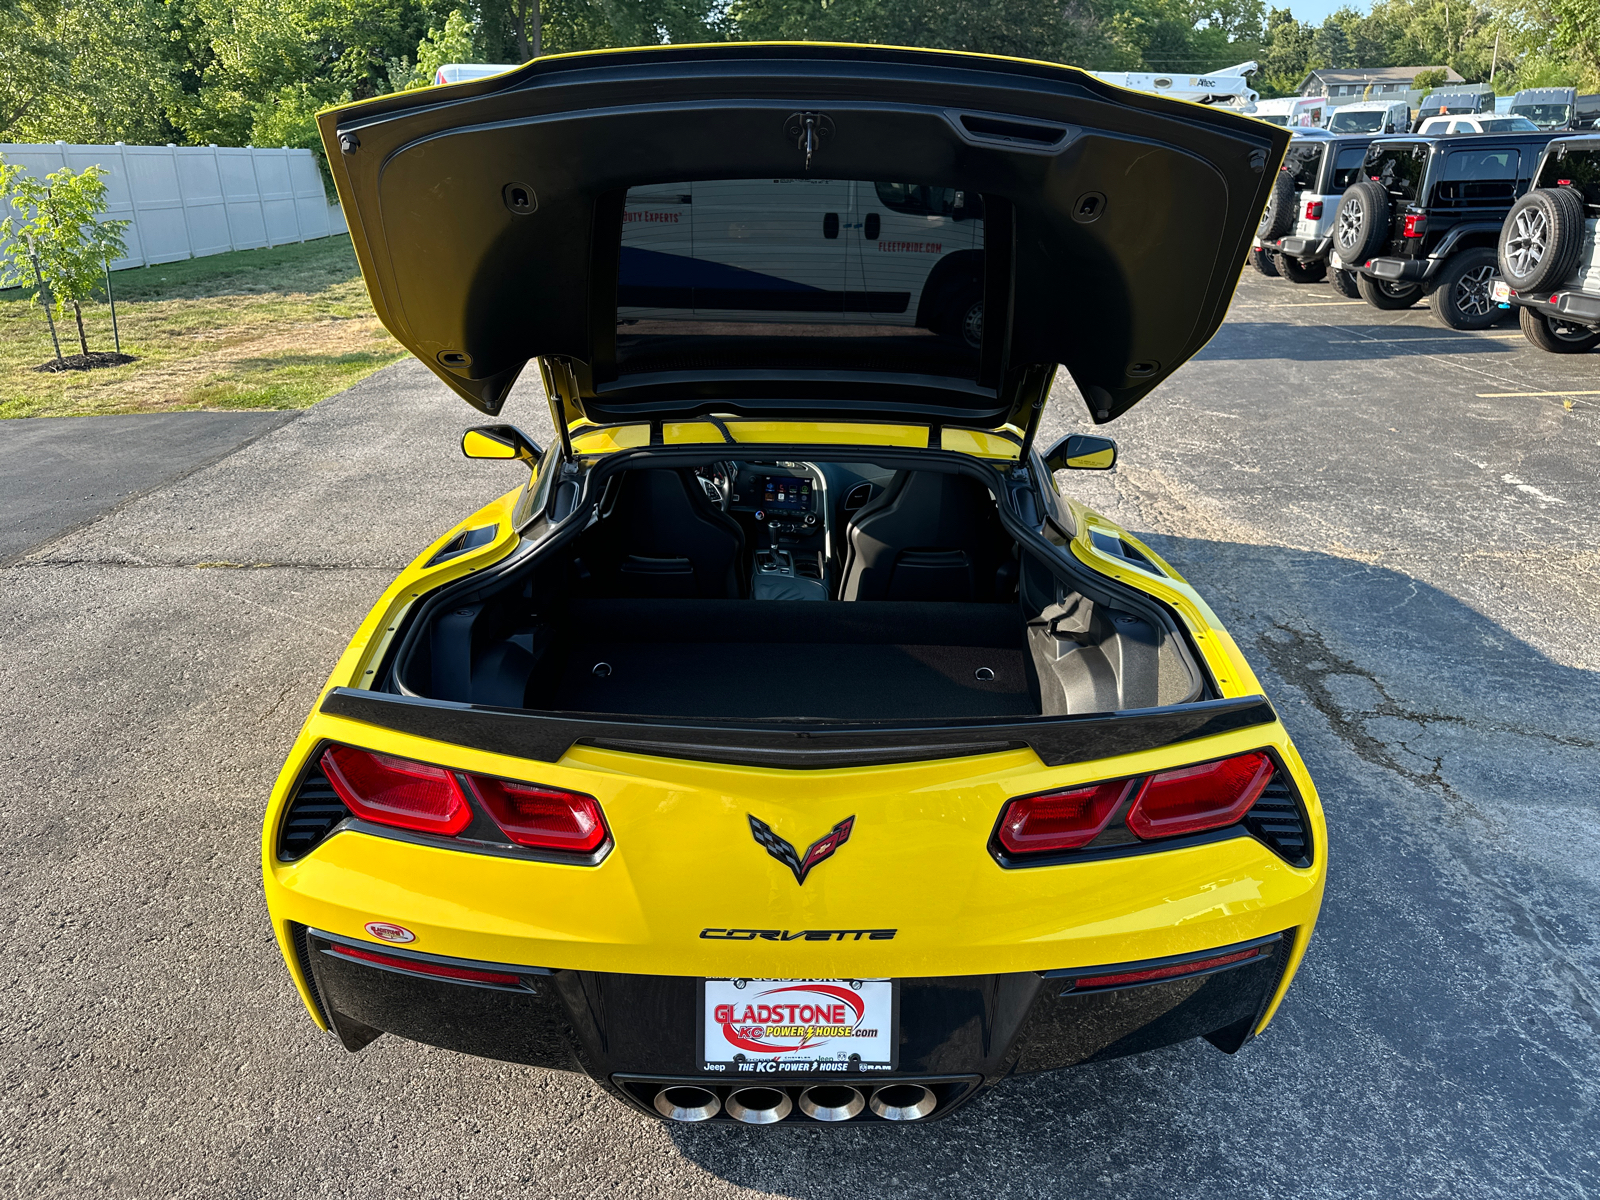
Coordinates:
819 850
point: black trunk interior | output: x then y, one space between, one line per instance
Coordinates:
747 658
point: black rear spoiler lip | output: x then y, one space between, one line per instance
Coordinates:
798 744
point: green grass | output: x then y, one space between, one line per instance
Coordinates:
279 328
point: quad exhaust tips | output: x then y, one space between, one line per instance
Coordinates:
903 1101
832 1102
764 1104
684 1102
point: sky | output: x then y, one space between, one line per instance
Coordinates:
1315 12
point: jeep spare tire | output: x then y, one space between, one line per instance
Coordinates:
1541 238
1361 223
1278 216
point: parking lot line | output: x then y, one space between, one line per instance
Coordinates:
1514 395
1439 337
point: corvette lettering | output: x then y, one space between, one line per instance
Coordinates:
819 850
798 935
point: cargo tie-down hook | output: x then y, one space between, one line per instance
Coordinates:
808 130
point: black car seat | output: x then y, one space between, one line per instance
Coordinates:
928 536
662 538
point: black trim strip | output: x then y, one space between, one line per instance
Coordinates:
799 744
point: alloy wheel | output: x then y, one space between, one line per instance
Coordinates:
1471 294
1349 225
1526 246
972 325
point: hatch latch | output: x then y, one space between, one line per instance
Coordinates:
808 130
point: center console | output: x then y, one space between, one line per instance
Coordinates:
784 506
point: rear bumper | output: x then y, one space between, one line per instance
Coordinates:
635 1034
1307 249
1400 270
1581 308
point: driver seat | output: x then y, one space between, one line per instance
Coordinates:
667 540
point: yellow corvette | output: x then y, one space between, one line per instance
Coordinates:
789 748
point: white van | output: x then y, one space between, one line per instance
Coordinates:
1371 116
1296 112
824 251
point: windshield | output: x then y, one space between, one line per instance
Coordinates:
1356 122
1545 116
1508 125
1274 118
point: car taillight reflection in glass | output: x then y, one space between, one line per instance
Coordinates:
1061 820
1208 796
543 817
397 791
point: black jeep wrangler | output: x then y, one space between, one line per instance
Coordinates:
1426 218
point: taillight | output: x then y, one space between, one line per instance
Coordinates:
420 966
1195 966
1313 210
397 791
545 818
1416 224
1209 796
1061 820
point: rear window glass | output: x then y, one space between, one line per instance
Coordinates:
800 274
1347 167
1477 177
1579 169
1397 167
1302 162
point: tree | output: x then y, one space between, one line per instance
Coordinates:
1330 47
1286 54
64 240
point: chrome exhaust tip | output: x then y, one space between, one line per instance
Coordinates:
903 1101
684 1102
759 1105
832 1102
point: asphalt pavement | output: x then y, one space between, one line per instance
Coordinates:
1397 522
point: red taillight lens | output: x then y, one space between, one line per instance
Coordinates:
543 817
1174 971
419 966
1313 210
397 791
1208 796
1061 820
1416 224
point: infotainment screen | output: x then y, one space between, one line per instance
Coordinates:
783 491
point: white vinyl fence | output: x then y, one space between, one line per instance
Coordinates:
190 201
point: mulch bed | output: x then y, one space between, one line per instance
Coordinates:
85 362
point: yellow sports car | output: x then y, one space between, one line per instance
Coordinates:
789 748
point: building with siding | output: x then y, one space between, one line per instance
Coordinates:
1351 83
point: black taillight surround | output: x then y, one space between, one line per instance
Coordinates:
481 836
1118 841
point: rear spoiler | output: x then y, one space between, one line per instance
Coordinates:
798 743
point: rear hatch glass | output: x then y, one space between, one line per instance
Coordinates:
1302 162
1347 168
1578 169
1398 167
801 274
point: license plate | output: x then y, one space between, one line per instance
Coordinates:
1501 290
798 1025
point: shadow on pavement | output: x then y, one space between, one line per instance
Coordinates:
1248 340
1441 1037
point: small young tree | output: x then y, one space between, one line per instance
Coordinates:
55 234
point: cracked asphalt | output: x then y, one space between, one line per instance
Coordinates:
1397 522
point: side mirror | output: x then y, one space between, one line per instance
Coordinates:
500 441
1082 452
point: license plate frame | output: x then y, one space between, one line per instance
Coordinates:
870 1008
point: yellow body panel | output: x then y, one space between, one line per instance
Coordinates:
684 860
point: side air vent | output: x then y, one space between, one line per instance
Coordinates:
996 129
857 497
1277 820
314 811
